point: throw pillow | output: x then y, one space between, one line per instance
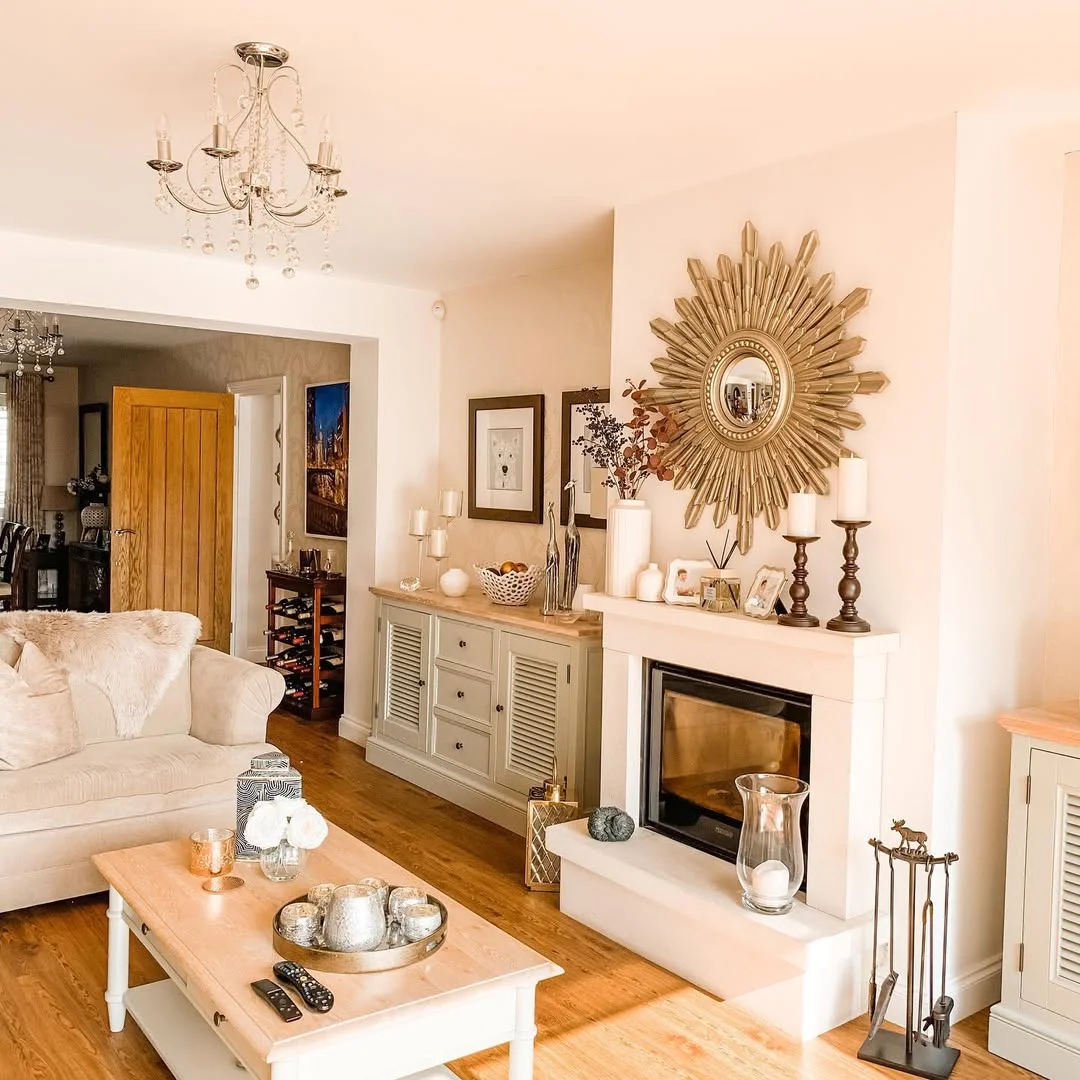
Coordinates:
10 650
37 720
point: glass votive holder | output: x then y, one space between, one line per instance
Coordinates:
403 897
213 855
380 887
319 895
300 922
420 920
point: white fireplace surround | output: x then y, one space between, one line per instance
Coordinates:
806 971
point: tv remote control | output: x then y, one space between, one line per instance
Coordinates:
312 992
277 999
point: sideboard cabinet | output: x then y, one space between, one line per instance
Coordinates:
473 701
1037 1022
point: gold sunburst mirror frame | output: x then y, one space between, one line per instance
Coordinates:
760 375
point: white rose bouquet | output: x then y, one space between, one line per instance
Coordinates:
283 818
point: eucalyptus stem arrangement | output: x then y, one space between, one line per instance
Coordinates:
633 450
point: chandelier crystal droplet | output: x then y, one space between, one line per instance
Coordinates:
251 165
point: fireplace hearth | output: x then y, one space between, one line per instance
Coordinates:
701 732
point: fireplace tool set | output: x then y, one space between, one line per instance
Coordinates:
922 1048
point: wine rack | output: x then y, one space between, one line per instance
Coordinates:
305 641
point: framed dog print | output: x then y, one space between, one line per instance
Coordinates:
592 496
326 460
506 459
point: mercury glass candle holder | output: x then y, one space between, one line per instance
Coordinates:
770 863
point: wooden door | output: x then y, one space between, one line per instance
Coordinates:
405 669
534 694
1051 975
172 505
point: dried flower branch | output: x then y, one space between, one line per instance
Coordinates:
633 451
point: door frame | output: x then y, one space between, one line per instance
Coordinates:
269 386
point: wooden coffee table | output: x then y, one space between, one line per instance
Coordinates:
477 991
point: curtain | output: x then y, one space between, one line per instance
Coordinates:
26 449
3 446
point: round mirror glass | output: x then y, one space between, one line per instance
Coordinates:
746 391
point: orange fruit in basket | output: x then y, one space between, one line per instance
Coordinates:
520 567
508 567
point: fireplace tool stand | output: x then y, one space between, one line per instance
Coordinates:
913 1050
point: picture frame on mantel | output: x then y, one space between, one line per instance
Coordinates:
577 465
506 459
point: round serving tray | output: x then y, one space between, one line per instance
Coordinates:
356 963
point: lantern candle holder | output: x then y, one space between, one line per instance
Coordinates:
770 864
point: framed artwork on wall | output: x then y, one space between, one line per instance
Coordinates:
326 460
592 496
506 458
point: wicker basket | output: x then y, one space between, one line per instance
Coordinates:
510 590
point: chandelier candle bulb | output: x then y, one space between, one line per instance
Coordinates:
802 514
164 144
851 500
437 544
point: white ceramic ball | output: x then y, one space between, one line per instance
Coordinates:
454 582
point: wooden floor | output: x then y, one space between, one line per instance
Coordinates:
612 1016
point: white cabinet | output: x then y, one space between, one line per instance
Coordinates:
473 701
1037 1022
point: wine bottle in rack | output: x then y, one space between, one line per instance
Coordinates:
332 635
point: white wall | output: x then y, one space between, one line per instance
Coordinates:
395 348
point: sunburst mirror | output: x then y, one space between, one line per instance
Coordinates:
760 374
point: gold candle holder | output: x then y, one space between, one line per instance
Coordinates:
213 855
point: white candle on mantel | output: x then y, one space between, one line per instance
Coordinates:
450 504
770 880
437 544
802 514
419 522
851 490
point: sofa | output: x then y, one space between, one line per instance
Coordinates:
178 774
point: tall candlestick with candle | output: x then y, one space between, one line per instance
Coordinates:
851 516
419 528
437 549
802 530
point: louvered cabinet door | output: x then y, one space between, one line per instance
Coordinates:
405 675
534 695
1051 975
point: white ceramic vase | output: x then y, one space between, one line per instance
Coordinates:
629 539
650 584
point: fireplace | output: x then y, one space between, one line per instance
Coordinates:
701 732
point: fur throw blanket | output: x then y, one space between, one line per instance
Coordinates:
130 656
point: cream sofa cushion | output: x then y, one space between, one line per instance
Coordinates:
37 722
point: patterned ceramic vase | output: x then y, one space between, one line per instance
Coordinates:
94 516
268 775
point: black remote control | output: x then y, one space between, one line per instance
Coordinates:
277 999
312 992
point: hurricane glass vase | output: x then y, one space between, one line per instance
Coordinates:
770 863
284 862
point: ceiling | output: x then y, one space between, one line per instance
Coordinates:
483 139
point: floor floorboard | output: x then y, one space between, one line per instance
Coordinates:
612 1015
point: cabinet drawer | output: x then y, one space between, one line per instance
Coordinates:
466 644
462 747
465 694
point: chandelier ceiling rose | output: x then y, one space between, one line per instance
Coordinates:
252 166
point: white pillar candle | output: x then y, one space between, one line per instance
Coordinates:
450 504
851 490
419 522
770 880
802 514
437 544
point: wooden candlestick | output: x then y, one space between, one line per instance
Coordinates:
848 621
799 591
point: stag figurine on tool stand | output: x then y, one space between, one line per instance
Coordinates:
912 1051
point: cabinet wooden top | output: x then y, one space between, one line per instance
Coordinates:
1051 723
475 605
329 586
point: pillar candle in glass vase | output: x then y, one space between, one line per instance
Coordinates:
802 514
450 504
437 544
851 502
419 522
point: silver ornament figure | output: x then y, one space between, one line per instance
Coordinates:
572 552
551 567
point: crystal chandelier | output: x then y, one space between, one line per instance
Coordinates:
27 335
253 168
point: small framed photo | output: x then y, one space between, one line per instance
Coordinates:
506 459
683 584
765 591
90 536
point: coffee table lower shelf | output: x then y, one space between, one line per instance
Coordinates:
189 1048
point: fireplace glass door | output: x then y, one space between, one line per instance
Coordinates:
703 731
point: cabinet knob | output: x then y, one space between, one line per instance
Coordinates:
461 693
421 682
219 1019
498 708
461 644
459 746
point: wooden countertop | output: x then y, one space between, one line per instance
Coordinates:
475 605
1051 723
